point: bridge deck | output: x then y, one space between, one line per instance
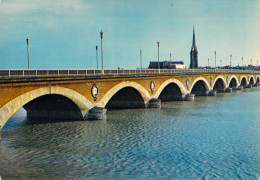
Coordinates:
39 75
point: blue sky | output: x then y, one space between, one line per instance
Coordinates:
63 33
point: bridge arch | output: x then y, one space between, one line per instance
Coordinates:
126 84
219 84
200 87
243 81
169 82
82 103
257 80
251 80
233 82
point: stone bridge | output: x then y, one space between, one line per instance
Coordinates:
87 94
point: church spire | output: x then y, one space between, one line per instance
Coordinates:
194 53
194 40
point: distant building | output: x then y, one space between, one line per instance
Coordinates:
167 65
194 53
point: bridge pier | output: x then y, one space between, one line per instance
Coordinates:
234 88
97 113
154 103
238 88
221 90
189 97
212 93
249 86
228 90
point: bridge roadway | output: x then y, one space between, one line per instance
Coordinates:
87 94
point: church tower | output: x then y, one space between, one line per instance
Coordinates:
193 53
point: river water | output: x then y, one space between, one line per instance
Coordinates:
210 138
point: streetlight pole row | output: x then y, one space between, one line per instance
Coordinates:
158 43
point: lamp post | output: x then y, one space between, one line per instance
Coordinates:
257 63
158 43
97 55
170 56
251 62
230 60
220 63
208 62
242 63
215 59
141 58
101 35
27 41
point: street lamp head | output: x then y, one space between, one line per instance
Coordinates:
27 40
96 47
101 34
158 43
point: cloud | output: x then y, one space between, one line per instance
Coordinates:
43 13
28 6
15 7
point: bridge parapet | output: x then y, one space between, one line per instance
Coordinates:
118 72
